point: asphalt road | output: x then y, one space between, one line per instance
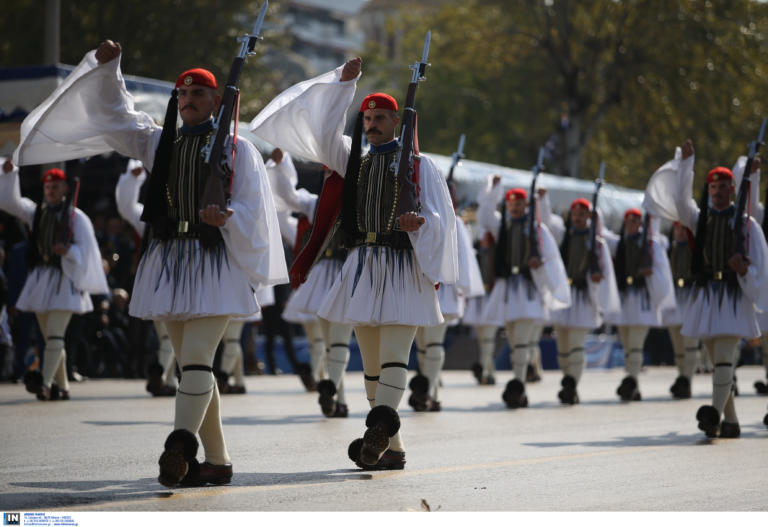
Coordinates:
99 451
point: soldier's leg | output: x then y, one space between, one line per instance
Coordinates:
316 349
486 339
53 326
519 337
434 358
421 349
723 353
574 359
232 355
368 340
632 339
761 387
563 353
165 356
332 399
196 390
394 345
686 352
534 352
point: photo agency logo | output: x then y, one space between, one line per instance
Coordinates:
11 518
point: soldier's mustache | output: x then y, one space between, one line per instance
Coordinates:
373 131
189 106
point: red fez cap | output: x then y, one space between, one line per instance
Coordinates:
581 202
515 194
633 212
54 174
379 100
718 174
197 76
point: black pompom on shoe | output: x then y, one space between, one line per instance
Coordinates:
627 390
709 420
568 394
419 399
514 394
33 381
178 457
327 390
382 422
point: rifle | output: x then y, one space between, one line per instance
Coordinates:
533 229
457 155
740 228
407 161
64 230
592 246
218 185
646 256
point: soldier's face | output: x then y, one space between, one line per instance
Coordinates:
579 217
379 125
720 193
632 224
516 207
54 192
197 103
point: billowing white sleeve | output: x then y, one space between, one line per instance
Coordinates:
489 196
252 234
288 227
10 196
669 193
82 263
127 196
554 223
661 287
470 282
754 284
308 120
605 293
283 180
610 237
90 113
550 278
435 242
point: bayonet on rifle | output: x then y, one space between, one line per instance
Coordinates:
737 222
407 173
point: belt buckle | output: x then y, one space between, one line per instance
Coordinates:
718 275
328 253
370 237
630 280
183 227
515 269
570 281
45 258
680 282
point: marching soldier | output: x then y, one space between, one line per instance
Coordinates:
386 288
203 264
728 285
64 269
528 281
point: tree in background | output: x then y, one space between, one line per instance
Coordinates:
631 79
159 39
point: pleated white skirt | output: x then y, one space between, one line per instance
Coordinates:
179 280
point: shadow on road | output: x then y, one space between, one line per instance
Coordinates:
92 493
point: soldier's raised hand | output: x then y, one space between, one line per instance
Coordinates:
107 51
